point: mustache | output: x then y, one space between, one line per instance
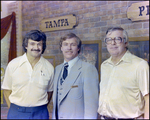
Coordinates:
69 51
36 50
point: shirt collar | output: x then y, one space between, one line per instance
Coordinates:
72 62
23 59
126 58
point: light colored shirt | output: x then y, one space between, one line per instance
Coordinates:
29 85
123 86
71 63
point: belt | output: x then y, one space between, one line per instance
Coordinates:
28 109
107 118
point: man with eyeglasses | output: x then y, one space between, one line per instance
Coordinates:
124 86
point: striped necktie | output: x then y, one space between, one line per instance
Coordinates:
65 73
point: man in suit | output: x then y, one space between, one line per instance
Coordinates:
76 96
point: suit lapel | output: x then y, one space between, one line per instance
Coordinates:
58 75
56 80
71 78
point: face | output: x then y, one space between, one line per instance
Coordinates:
34 48
116 49
69 49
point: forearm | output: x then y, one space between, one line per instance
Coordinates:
146 109
6 95
49 96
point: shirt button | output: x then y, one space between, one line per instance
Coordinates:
59 93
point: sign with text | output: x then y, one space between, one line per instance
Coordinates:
58 23
138 11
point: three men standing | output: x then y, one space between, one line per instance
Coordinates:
124 83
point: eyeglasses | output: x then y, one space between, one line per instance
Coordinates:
117 40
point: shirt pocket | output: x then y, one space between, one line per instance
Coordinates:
43 82
76 92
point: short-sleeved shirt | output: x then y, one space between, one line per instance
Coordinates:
29 85
123 87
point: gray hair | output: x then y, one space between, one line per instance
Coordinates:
125 34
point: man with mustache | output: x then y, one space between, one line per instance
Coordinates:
76 84
124 86
28 80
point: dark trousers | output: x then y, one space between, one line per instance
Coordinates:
56 112
19 112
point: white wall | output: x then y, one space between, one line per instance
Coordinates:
5 42
3 9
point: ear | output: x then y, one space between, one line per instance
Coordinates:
78 49
126 44
61 49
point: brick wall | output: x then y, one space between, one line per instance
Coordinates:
94 18
16 7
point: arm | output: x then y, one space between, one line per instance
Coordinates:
146 109
6 95
143 82
49 99
49 96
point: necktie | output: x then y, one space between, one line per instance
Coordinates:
65 72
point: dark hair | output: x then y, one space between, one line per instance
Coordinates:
35 35
69 36
125 34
